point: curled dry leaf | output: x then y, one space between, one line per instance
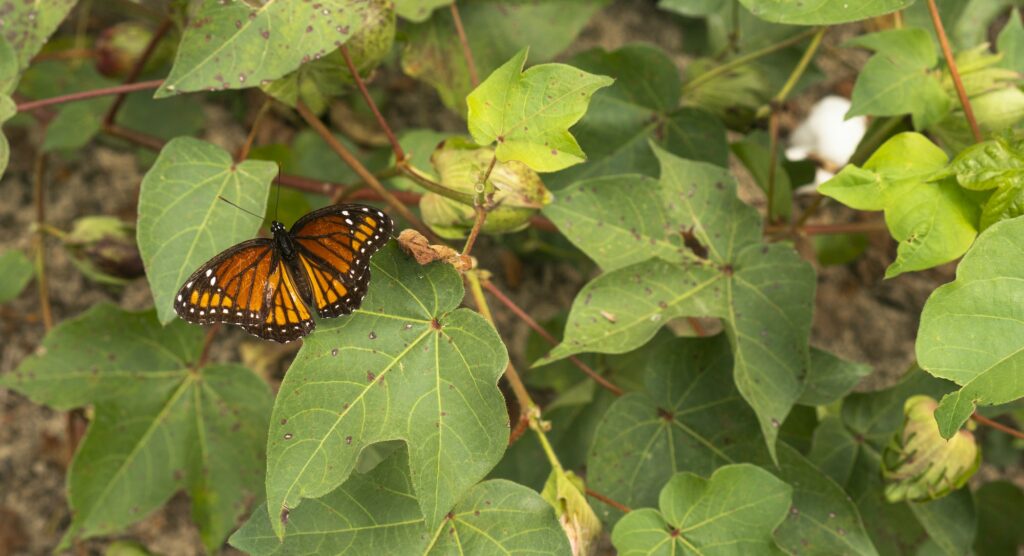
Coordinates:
419 247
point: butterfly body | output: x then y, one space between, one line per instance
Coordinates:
270 287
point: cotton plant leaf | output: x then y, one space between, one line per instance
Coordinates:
234 45
182 221
377 512
16 275
407 366
162 423
767 318
970 332
28 25
821 12
418 11
732 512
691 418
897 79
433 51
830 378
528 113
997 164
933 221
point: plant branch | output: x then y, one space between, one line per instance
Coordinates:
395 146
85 95
243 152
947 52
39 197
362 172
423 181
981 419
617 505
480 208
136 71
467 53
745 59
523 316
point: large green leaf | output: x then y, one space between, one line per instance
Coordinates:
642 105
821 12
418 10
950 521
1000 504
732 512
28 25
17 272
161 424
691 418
830 377
933 221
377 512
496 30
529 112
970 330
762 292
234 45
408 366
896 80
1011 43
182 221
996 164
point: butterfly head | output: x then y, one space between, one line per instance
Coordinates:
277 227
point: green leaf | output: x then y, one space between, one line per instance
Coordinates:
733 512
753 151
433 51
28 25
418 10
896 80
17 272
821 12
837 249
834 449
1011 43
408 366
692 8
182 223
691 419
617 221
830 378
529 112
236 45
161 424
950 521
996 164
999 503
934 222
377 512
969 331
642 105
767 318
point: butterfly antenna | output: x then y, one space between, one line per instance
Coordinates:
277 203
247 211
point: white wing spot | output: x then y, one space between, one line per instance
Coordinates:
188 285
365 209
209 271
179 297
213 280
349 222
344 212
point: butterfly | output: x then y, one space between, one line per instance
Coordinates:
270 287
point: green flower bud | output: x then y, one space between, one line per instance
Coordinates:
919 464
513 192
566 493
104 249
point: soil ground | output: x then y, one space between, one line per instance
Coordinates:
858 315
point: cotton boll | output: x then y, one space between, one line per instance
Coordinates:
826 134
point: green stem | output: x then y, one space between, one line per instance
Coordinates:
745 59
430 185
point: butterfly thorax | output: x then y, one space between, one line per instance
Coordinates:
283 240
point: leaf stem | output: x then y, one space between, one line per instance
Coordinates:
395 146
362 172
423 181
243 152
523 316
467 53
744 59
947 52
981 419
136 70
617 505
480 208
85 95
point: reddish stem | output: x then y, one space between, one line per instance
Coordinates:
947 52
617 505
85 95
136 71
467 53
996 425
395 146
521 425
519 312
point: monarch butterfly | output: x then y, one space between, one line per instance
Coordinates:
267 286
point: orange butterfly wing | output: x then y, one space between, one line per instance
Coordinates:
334 245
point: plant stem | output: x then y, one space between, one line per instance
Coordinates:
523 316
480 208
526 404
243 152
39 195
132 136
947 52
204 356
395 146
617 505
362 172
744 59
430 185
136 71
85 95
773 122
981 419
467 53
